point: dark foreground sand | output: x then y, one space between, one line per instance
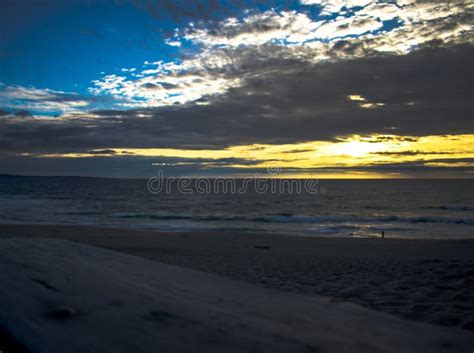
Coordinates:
59 296
424 280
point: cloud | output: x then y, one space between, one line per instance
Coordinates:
173 43
19 98
255 29
224 53
136 166
273 77
362 20
165 84
335 6
99 152
356 97
282 101
410 153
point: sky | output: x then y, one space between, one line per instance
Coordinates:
310 88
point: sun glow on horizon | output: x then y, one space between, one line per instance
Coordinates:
298 158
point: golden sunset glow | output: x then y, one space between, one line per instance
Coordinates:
348 151
355 88
356 97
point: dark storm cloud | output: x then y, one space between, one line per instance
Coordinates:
161 85
378 139
410 153
422 168
206 162
302 150
120 165
102 152
409 167
283 101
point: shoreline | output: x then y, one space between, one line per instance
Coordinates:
12 226
76 231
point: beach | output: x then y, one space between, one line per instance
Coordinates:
427 281
224 176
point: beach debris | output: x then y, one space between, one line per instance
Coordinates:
46 285
64 312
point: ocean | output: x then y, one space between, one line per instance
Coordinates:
357 208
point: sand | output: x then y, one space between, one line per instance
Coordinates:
423 280
60 296
428 286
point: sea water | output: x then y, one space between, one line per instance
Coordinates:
360 208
